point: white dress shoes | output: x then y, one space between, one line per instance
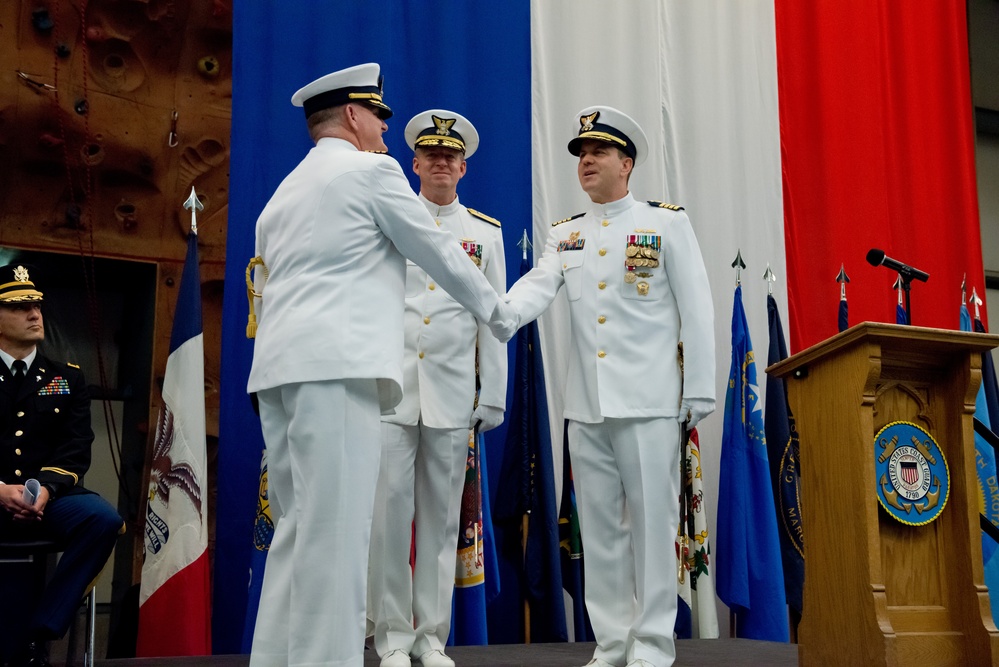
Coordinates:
396 658
435 658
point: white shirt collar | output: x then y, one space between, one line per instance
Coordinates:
9 360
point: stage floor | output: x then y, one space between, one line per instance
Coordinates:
690 653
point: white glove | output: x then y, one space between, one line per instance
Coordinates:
504 321
487 417
693 410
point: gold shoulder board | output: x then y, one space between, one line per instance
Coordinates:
72 365
659 204
483 216
571 217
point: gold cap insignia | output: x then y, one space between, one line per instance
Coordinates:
586 122
21 274
444 125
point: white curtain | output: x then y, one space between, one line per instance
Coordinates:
701 79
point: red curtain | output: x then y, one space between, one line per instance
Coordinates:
877 147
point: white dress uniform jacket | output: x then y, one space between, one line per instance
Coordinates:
625 332
438 371
333 238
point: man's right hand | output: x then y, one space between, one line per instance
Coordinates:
504 321
11 499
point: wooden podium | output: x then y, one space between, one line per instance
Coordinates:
877 591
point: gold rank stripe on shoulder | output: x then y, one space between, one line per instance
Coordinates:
571 217
72 365
377 152
483 216
659 204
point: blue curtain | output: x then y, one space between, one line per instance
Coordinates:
472 57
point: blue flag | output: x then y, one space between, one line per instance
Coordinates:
844 315
263 531
749 569
900 316
985 464
782 452
527 483
989 384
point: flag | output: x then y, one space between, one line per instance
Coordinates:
175 594
263 532
782 452
527 497
989 384
749 571
571 547
843 319
985 463
695 588
476 579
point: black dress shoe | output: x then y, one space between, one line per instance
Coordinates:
37 655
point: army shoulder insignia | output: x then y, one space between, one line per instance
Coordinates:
571 217
911 474
483 216
659 204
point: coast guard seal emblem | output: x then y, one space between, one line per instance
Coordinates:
911 473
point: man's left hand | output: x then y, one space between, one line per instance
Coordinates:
487 417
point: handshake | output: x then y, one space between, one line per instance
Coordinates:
504 321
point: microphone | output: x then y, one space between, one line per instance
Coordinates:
878 258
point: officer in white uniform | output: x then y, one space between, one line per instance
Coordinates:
327 362
636 287
425 443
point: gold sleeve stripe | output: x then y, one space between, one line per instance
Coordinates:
60 471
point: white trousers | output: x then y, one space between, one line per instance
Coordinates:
421 478
322 466
627 479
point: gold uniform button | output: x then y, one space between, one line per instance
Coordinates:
57 410
605 223
426 320
17 472
432 287
19 433
601 319
421 355
565 266
603 251
601 354
17 451
601 284
20 414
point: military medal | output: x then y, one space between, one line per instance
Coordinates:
473 250
642 251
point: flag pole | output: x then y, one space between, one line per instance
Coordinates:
524 526
525 246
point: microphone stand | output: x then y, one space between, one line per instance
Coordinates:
906 278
